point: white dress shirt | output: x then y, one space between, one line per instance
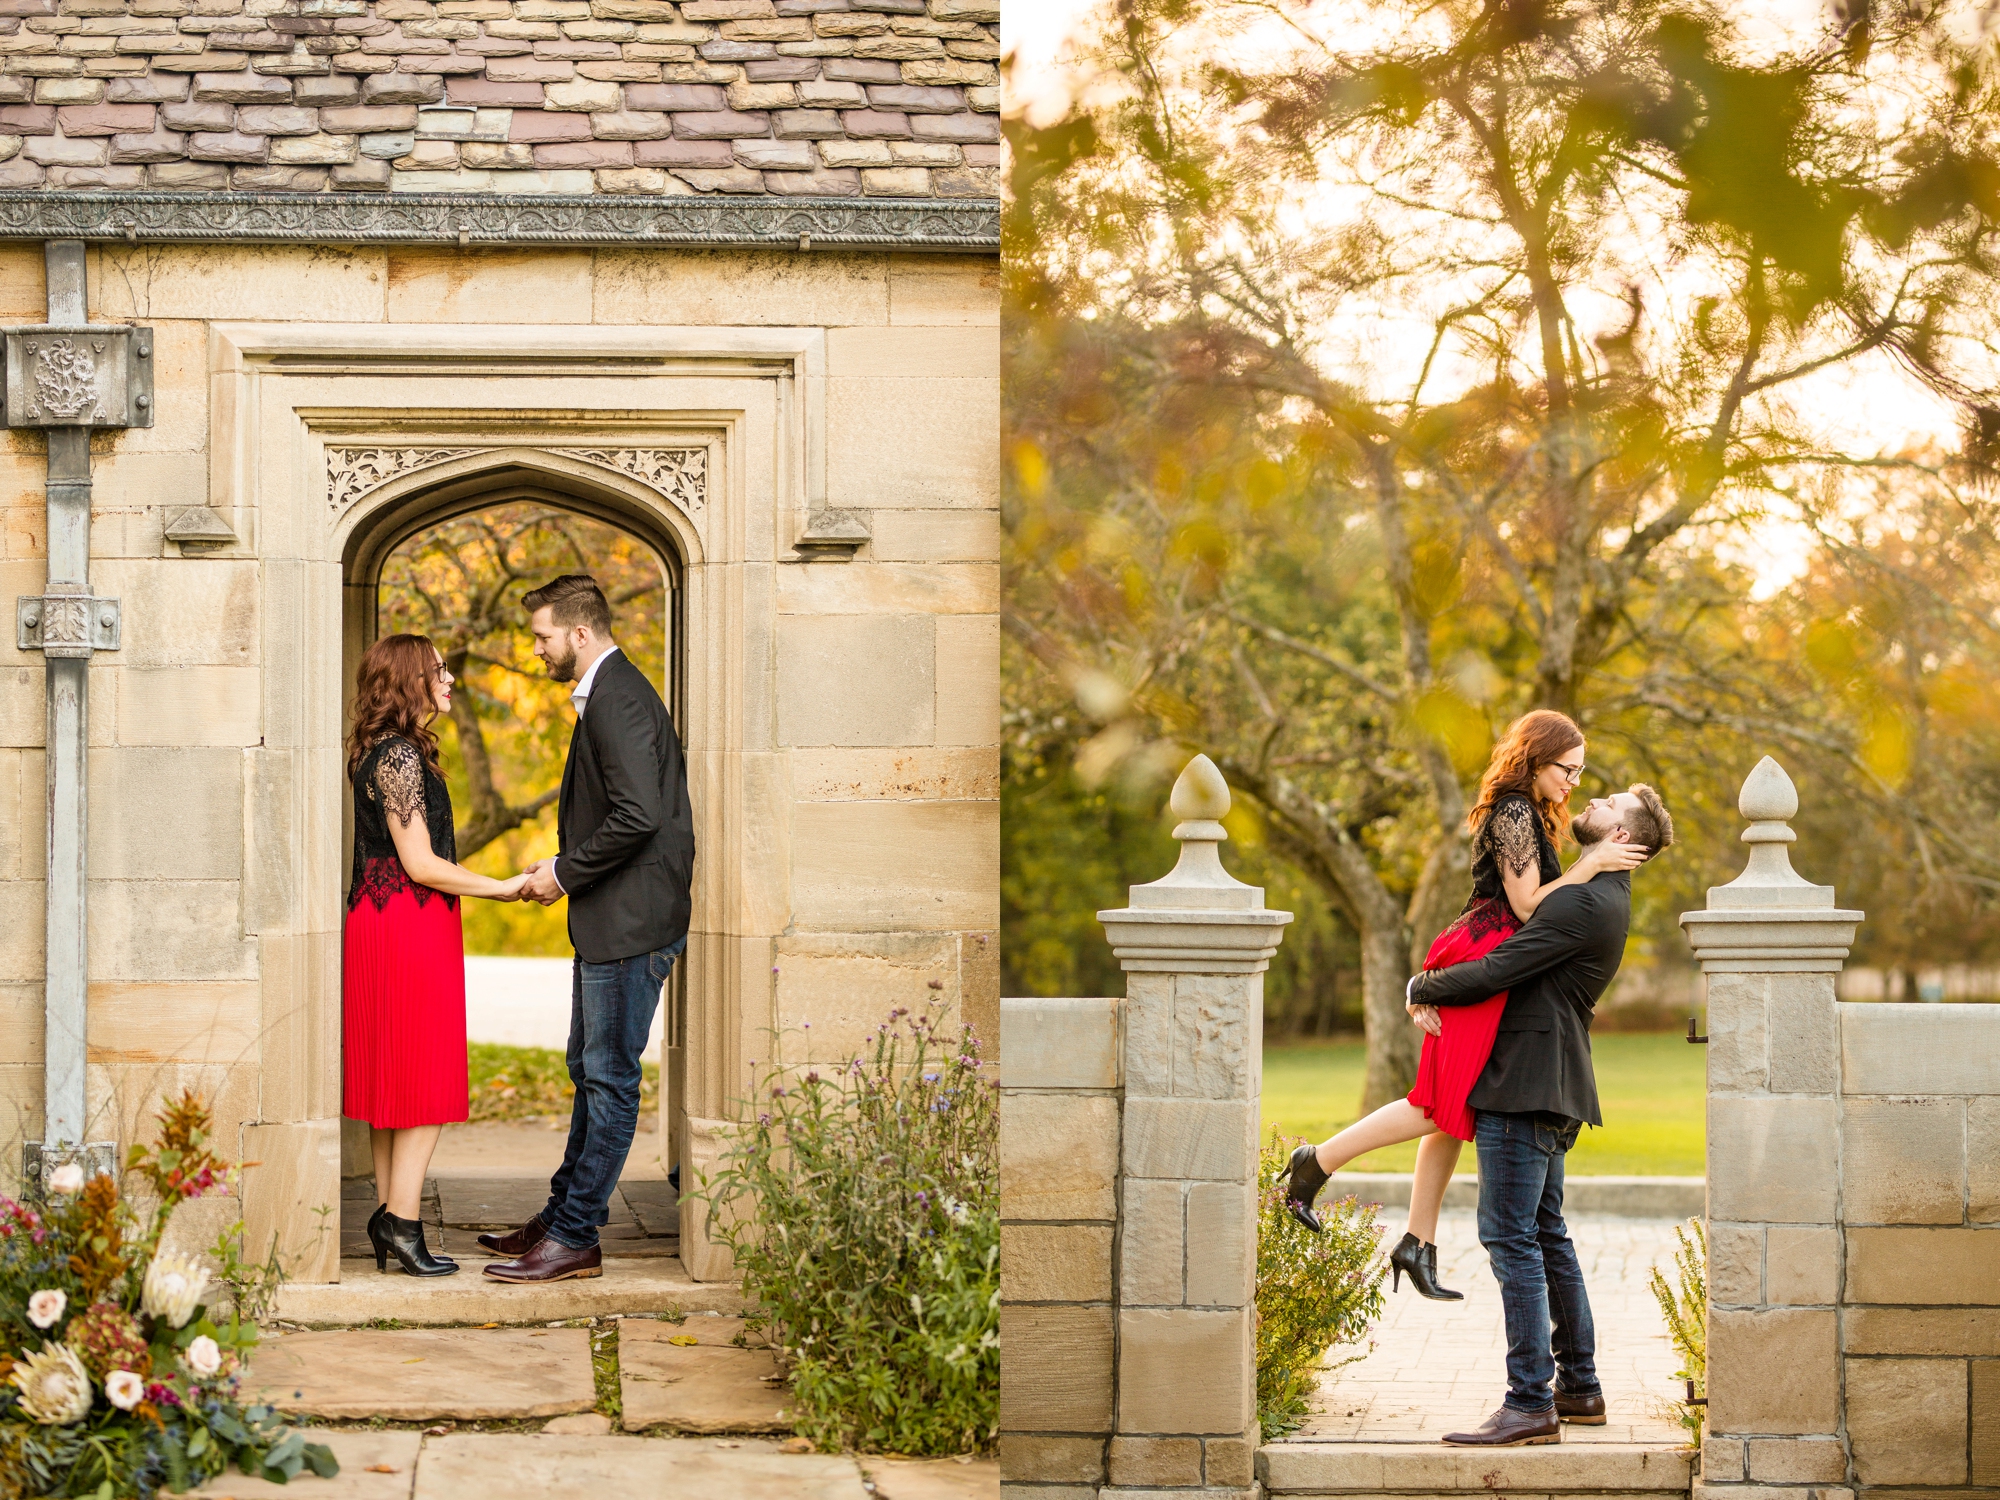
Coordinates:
579 696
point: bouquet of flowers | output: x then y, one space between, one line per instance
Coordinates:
114 1378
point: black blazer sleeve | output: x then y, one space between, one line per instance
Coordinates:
1559 931
624 739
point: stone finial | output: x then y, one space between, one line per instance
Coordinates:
1198 882
1200 794
1198 919
1768 796
1770 919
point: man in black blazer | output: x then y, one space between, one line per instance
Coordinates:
1536 1093
627 837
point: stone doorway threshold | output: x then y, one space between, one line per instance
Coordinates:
494 1175
1437 1367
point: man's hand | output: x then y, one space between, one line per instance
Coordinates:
541 883
1426 1017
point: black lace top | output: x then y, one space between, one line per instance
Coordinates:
1511 839
394 782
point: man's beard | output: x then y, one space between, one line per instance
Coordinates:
563 668
1585 834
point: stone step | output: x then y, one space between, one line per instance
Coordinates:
1620 1197
1353 1470
417 1374
364 1295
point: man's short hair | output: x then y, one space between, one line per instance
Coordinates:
573 599
1650 824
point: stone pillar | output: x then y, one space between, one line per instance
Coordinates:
1194 947
1771 945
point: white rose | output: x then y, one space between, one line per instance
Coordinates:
66 1179
172 1289
46 1306
54 1387
125 1389
203 1356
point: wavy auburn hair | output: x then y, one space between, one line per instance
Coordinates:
394 693
1531 742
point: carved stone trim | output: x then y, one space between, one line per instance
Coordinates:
354 472
971 224
681 474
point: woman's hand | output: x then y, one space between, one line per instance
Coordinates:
1610 854
510 889
1426 1017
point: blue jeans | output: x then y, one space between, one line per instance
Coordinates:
1541 1284
610 1016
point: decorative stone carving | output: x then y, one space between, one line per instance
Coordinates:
353 472
488 219
681 474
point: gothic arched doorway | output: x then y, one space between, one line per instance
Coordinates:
451 560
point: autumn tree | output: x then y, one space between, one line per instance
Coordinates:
1378 372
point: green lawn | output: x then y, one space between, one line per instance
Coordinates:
1650 1088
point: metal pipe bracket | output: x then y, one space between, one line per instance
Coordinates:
60 625
88 375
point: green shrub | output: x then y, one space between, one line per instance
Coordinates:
1684 1305
862 1203
1314 1291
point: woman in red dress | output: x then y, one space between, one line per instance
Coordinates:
403 954
1515 826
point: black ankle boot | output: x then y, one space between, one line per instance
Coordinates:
404 1239
1303 1179
1417 1260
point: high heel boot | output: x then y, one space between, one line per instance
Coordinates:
1303 1179
404 1239
378 1236
1417 1260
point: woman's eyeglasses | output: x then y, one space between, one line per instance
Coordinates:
1571 774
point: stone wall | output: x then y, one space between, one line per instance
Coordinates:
843 716
1856 1333
1061 1110
822 98
1128 1197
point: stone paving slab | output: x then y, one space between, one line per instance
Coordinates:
704 1387
934 1478
412 1374
1438 1367
373 1466
1391 1468
629 1285
656 1205
464 1467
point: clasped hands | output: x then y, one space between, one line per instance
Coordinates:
538 883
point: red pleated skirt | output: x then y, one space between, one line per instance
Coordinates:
403 1012
1451 1063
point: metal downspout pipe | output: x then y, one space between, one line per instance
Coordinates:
67 749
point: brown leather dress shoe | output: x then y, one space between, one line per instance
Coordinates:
1506 1428
552 1260
516 1241
1585 1411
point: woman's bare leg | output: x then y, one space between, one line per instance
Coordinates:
1390 1125
1437 1158
382 1144
411 1159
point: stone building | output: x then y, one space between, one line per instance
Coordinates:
720 272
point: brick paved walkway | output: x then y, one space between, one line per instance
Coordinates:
1438 1367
